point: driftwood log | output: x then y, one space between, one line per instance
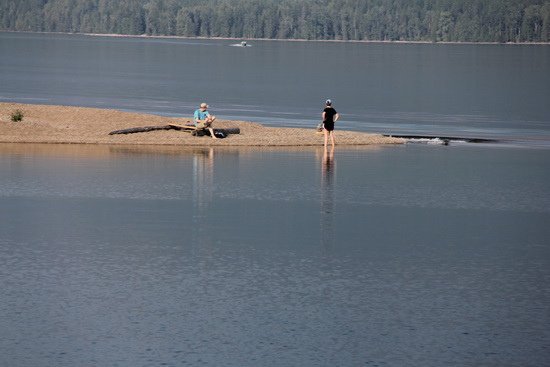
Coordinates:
224 132
145 129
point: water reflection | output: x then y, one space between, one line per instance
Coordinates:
328 169
223 272
203 179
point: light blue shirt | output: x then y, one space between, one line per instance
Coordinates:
201 115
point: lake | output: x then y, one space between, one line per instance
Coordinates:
491 91
422 255
419 254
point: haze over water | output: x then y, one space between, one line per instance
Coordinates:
422 255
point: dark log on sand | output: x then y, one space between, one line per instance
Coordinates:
145 129
230 130
233 130
193 128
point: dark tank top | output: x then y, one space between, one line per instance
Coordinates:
328 122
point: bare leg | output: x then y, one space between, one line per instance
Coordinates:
332 138
212 133
326 136
209 126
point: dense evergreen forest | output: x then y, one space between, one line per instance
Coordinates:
406 20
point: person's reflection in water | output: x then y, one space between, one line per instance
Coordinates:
203 181
328 169
199 234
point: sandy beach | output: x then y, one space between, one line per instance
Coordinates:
80 125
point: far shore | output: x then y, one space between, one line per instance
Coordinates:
147 36
83 125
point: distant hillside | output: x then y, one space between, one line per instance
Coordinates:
405 20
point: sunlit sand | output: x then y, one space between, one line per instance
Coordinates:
79 125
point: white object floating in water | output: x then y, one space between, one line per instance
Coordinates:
242 44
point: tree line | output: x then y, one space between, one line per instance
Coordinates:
388 20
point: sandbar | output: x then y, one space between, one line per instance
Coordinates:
83 125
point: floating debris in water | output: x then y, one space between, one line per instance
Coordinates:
439 140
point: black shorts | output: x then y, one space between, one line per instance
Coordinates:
328 125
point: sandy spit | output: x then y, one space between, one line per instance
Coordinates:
81 125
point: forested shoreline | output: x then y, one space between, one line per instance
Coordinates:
361 20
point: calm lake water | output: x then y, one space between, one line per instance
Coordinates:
495 91
421 255
412 255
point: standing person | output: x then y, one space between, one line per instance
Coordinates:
330 116
203 119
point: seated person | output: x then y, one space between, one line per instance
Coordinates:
203 119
